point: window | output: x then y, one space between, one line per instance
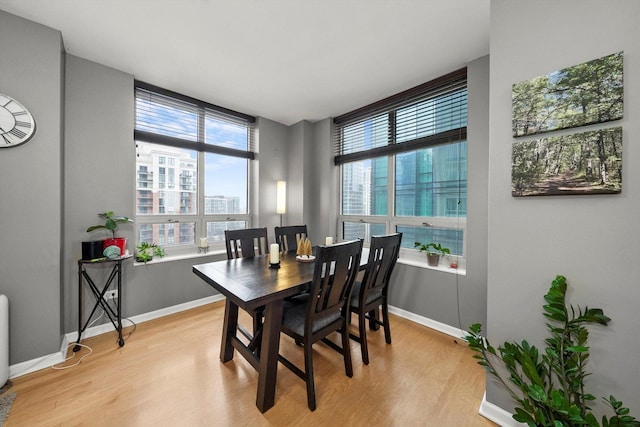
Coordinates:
403 166
192 168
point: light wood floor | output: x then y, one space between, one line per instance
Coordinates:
169 374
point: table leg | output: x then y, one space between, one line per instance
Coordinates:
269 355
77 346
229 328
119 304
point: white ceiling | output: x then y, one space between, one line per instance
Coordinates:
286 60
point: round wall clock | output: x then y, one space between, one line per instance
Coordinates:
17 125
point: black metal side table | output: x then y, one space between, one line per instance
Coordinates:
114 315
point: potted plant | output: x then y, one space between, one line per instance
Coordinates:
434 252
146 251
549 385
111 224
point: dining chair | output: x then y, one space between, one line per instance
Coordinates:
370 293
243 243
289 236
325 311
247 243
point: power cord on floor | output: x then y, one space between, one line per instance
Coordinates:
73 354
135 326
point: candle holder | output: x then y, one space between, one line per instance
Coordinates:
202 249
274 265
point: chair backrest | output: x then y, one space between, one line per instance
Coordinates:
243 243
336 268
289 236
383 254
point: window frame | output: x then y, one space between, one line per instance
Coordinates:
390 220
200 219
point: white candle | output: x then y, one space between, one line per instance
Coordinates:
203 242
274 253
328 240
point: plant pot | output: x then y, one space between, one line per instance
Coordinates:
120 242
145 258
433 259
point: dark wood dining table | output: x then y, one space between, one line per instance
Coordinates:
249 283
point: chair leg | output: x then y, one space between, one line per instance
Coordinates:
385 320
374 319
362 331
346 351
308 369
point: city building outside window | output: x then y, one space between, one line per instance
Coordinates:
403 167
193 165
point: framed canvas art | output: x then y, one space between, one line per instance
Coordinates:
581 163
576 96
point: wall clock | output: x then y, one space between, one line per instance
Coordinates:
17 124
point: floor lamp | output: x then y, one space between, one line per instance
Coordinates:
281 199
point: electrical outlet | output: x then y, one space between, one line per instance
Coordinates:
111 294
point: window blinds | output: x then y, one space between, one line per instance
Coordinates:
433 113
169 118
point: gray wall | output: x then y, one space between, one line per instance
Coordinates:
326 175
271 167
31 66
311 162
592 240
297 174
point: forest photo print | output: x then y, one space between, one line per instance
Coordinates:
581 163
576 96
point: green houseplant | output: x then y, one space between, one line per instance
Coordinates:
549 386
434 252
111 224
146 251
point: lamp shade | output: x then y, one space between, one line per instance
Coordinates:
281 197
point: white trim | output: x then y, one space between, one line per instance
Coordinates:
33 365
52 359
497 414
430 323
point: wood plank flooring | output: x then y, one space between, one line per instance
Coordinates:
169 374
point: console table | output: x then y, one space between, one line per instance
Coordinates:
114 314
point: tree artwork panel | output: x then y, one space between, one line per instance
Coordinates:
584 94
581 163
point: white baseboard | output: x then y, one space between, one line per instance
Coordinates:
53 359
430 323
497 414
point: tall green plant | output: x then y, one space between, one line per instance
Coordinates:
549 388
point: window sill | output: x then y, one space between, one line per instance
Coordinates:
170 258
461 271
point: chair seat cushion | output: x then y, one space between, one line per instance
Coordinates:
294 316
355 295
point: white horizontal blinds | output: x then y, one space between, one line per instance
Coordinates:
224 130
169 118
163 115
430 114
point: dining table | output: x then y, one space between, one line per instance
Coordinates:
250 283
